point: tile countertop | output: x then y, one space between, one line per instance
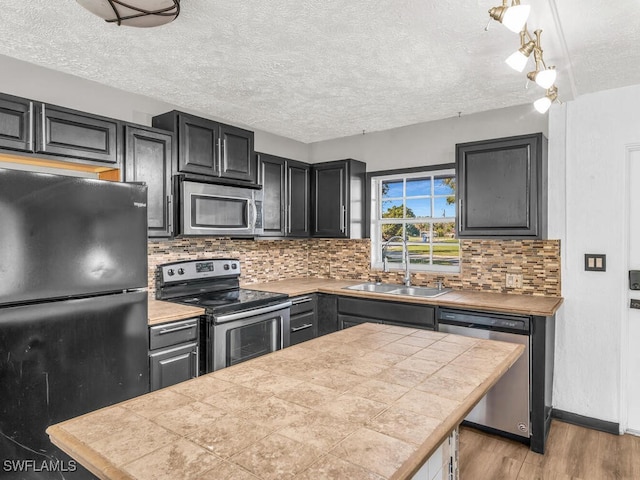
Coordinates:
377 409
163 312
495 302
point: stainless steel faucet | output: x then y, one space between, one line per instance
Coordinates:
407 274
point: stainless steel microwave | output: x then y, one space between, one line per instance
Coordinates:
214 209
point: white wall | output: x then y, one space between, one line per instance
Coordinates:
588 154
30 81
430 143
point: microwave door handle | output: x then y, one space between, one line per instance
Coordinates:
255 213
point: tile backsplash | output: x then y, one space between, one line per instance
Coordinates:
483 266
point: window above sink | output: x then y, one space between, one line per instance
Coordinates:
419 206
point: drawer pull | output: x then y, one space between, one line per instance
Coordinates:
298 301
177 329
302 327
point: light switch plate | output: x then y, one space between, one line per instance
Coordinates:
634 303
595 262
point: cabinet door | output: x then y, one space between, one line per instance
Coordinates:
329 200
298 197
501 188
238 160
75 134
198 145
327 310
173 365
16 123
148 159
272 177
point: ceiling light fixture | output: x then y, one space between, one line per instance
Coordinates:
543 76
512 16
134 13
518 59
543 104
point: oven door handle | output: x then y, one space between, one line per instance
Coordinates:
252 313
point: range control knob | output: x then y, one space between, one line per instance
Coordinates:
170 272
181 271
226 266
234 266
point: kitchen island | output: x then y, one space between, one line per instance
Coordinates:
372 401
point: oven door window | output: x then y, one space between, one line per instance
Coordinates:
219 212
253 340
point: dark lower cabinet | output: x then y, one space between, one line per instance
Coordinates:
16 123
303 319
149 159
285 184
502 188
327 308
173 353
70 133
352 311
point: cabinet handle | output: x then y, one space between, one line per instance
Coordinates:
302 327
195 364
177 329
343 218
219 157
44 129
31 127
459 215
300 300
169 222
289 218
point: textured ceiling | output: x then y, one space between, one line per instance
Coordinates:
314 70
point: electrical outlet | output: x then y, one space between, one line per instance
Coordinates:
514 280
634 303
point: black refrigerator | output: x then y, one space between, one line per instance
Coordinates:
73 310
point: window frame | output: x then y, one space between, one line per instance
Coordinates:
375 180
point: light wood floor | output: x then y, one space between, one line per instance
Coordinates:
572 453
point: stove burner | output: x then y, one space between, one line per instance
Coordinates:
216 303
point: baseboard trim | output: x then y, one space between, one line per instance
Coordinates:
587 422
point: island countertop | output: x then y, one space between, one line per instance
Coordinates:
372 401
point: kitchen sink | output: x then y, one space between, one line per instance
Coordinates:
374 287
420 291
399 290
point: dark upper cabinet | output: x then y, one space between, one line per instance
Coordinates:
148 159
16 123
237 158
338 199
210 148
285 184
298 198
70 133
502 188
197 145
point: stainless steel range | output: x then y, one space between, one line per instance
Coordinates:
239 324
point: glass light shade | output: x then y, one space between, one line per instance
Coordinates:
515 17
517 60
134 13
546 78
542 104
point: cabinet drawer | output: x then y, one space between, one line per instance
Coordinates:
173 365
303 327
305 303
173 333
417 315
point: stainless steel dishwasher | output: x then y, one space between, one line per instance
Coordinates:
505 408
